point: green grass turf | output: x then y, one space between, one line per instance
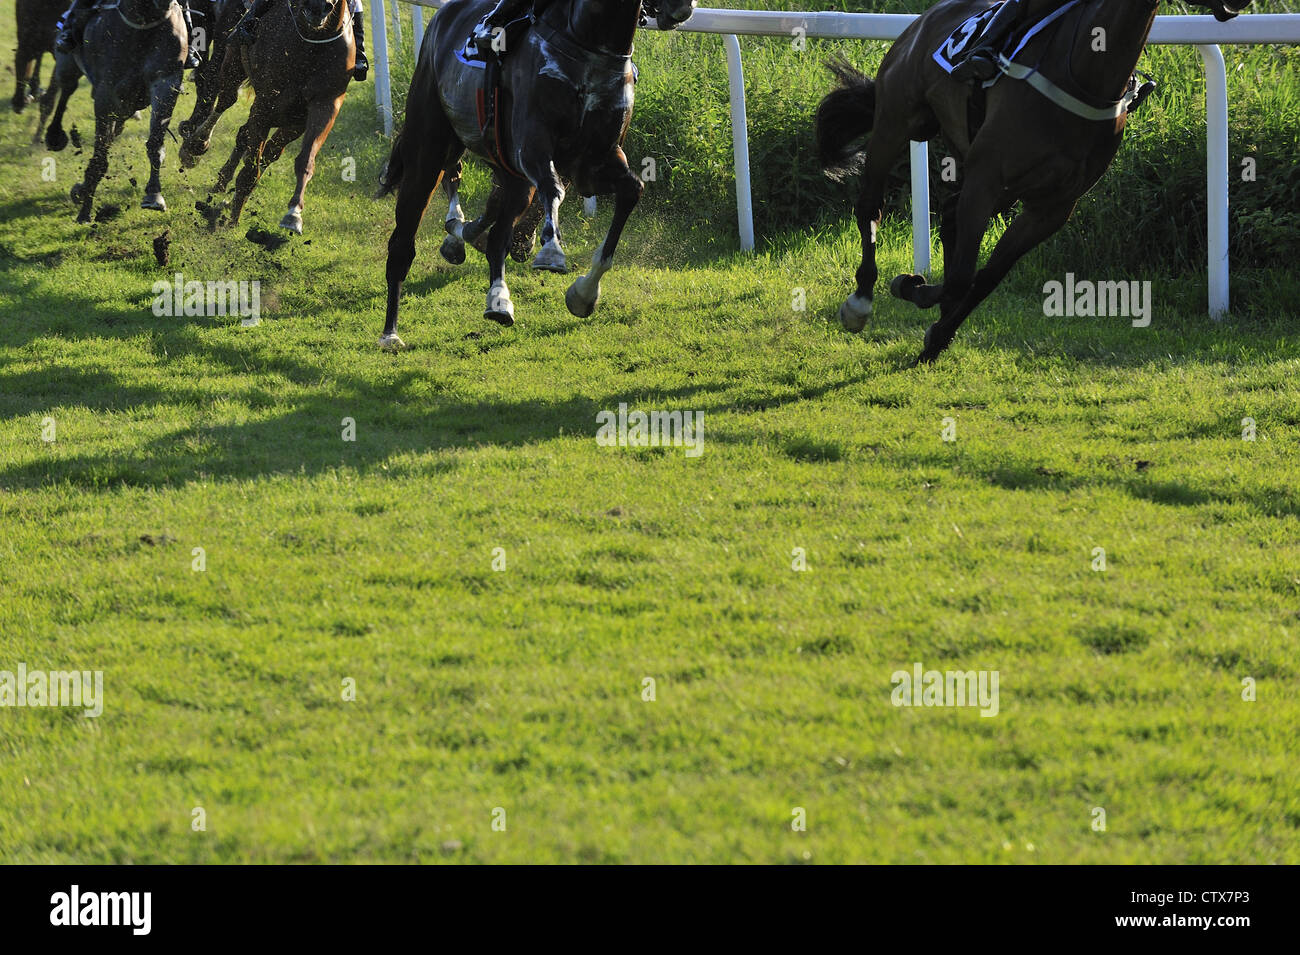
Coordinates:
521 689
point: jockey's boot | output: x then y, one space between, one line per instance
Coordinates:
192 60
74 21
480 43
981 63
246 29
360 68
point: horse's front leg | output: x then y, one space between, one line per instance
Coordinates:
550 191
320 120
84 191
613 176
1030 228
961 231
162 98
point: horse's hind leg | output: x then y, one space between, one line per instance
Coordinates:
550 192
425 155
242 144
613 176
320 120
62 86
162 103
1030 228
84 191
886 143
258 131
453 246
227 82
515 197
22 74
34 81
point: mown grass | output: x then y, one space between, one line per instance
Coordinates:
522 689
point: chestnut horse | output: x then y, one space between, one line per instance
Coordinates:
299 66
1027 149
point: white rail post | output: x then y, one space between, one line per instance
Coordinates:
397 23
1216 162
383 85
740 142
921 208
417 29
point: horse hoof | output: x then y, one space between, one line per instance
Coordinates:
578 305
499 307
453 250
903 286
78 192
155 201
931 349
551 259
854 313
391 343
293 222
56 140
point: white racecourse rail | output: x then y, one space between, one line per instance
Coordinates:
1203 32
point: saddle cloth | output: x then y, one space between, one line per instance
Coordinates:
968 35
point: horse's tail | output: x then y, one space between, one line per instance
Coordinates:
844 117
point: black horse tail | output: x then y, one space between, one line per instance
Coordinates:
390 177
844 117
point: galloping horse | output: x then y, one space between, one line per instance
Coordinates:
565 106
36 23
220 17
133 53
300 66
1028 148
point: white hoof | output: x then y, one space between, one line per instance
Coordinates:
500 308
854 313
154 200
550 258
293 222
579 301
391 343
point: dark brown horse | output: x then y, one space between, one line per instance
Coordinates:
217 18
567 102
1027 149
36 20
299 66
133 53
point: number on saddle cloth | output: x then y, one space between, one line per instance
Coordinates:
964 38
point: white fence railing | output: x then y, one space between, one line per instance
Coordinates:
1203 32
